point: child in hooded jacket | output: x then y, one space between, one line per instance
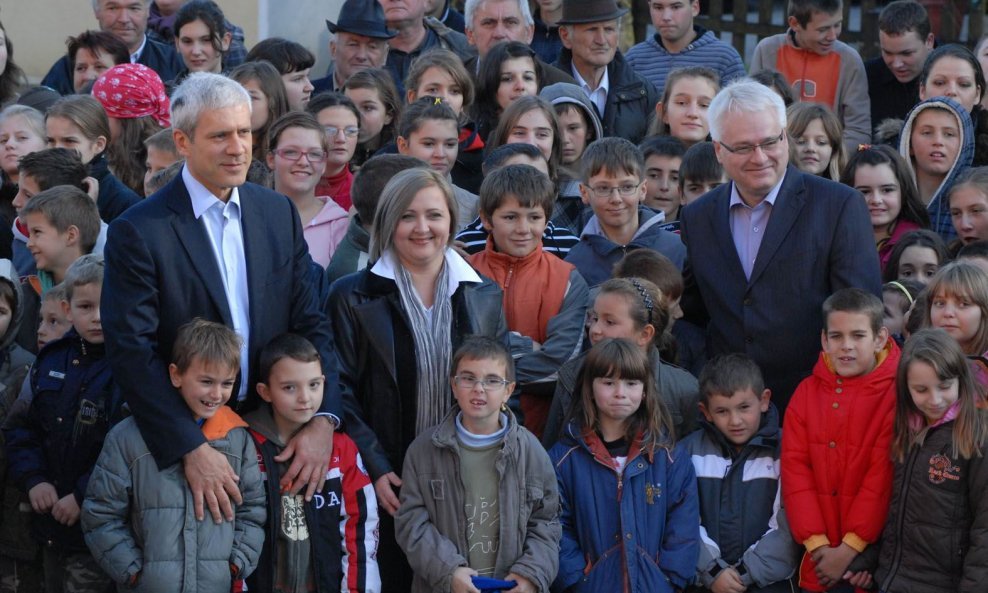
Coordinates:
937 143
836 470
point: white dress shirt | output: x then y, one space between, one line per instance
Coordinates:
222 221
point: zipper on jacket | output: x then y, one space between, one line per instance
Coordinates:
903 496
507 279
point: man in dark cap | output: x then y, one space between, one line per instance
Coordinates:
359 40
590 30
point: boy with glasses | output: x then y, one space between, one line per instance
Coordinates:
479 497
614 187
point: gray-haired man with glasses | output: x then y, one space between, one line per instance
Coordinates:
766 249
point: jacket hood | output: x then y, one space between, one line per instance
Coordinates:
703 37
648 224
222 422
564 92
262 422
938 206
884 371
9 274
768 433
331 211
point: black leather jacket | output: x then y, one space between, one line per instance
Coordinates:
377 358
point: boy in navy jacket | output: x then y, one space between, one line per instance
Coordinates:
746 544
53 448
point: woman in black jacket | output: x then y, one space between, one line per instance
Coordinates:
396 325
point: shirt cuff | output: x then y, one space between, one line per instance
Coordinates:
852 539
816 541
332 418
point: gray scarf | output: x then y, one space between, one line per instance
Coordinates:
433 347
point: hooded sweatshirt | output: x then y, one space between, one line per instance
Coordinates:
570 211
651 59
595 255
836 79
939 205
836 467
325 231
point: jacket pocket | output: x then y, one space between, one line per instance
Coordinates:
605 575
650 576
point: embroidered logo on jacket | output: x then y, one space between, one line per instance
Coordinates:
943 469
652 491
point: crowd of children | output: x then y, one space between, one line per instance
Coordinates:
503 267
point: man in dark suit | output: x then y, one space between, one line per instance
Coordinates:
210 245
768 248
127 20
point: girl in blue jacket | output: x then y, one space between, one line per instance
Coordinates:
629 511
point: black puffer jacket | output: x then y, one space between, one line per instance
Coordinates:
936 537
630 98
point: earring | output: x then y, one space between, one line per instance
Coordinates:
504 407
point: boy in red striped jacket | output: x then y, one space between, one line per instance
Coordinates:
341 519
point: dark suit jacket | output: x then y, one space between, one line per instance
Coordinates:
818 240
161 273
157 56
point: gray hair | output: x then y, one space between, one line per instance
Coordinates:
96 4
88 269
743 96
395 199
204 91
471 7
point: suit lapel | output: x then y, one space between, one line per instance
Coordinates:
192 234
722 234
253 226
784 213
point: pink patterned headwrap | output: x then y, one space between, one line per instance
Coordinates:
128 91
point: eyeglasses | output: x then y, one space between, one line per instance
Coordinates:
349 131
605 191
490 384
293 154
746 149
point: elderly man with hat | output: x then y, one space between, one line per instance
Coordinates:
589 30
359 40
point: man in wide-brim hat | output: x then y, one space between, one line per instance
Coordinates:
359 41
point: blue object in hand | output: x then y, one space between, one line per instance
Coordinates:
489 585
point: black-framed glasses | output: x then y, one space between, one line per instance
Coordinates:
349 131
294 154
627 190
490 384
746 149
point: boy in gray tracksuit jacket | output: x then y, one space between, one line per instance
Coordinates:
139 521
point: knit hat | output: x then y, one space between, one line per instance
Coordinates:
129 91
